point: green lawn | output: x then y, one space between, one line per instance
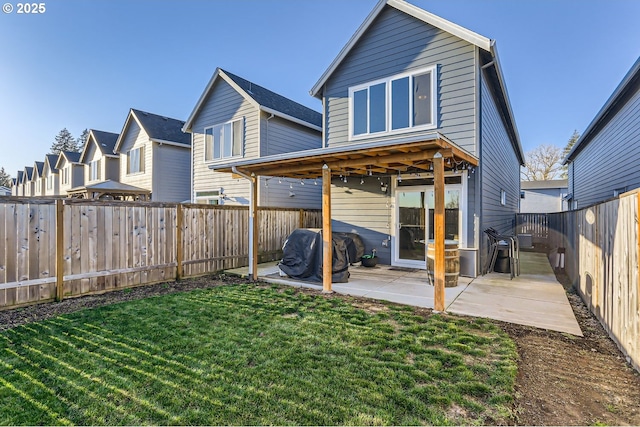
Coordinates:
249 355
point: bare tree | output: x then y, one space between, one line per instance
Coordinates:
543 163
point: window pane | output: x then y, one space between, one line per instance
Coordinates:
400 103
208 144
216 141
237 137
422 99
226 138
452 214
378 108
360 112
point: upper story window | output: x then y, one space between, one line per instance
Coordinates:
94 170
65 175
135 160
224 140
396 104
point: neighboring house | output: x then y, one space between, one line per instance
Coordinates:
70 171
14 186
27 183
543 196
409 94
98 156
19 187
236 119
4 191
155 156
50 176
37 179
594 173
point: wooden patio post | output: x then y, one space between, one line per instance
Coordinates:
253 229
327 248
438 232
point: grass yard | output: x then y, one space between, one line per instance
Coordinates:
256 355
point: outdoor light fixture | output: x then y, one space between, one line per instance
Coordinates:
383 187
361 180
301 182
399 177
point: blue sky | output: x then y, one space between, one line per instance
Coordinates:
84 63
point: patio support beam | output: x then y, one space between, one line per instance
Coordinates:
253 222
438 232
327 247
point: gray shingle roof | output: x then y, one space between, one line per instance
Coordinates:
164 128
19 179
39 167
106 140
540 185
72 156
28 170
272 100
52 159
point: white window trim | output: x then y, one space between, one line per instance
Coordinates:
434 106
142 160
96 164
219 197
223 159
503 197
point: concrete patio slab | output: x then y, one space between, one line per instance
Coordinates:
535 298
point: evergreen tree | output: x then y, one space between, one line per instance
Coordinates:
64 141
82 139
5 178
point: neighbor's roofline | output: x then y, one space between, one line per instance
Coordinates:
220 73
421 14
620 91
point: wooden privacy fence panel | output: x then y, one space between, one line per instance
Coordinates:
27 252
535 224
103 246
601 244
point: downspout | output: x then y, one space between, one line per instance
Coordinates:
266 199
252 209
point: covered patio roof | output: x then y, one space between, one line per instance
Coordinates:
109 188
382 157
432 152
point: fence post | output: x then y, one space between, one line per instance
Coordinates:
179 251
301 218
59 250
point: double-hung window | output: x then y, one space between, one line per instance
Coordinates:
224 140
135 160
65 175
95 170
396 104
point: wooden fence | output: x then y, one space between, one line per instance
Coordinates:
601 245
535 224
54 249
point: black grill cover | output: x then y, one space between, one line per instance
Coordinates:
355 247
302 256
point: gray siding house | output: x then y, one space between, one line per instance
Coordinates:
154 156
257 123
101 163
70 170
398 57
594 174
543 196
50 176
413 105
4 191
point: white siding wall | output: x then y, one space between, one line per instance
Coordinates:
171 175
111 168
134 138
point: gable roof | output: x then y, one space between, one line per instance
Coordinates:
28 173
261 98
105 141
51 160
19 177
161 129
70 156
37 168
544 185
627 87
484 43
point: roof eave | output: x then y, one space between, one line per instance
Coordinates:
290 118
620 91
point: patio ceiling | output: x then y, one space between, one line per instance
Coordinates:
381 158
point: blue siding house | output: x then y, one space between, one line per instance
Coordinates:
594 174
417 127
